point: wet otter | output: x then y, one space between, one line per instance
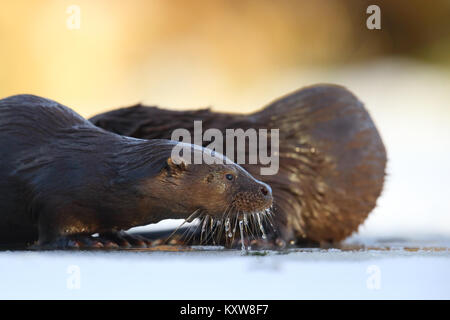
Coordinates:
332 159
62 179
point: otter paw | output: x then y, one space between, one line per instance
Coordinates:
125 240
115 238
70 242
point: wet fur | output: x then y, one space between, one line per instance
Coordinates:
60 175
332 158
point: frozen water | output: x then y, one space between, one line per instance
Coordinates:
316 273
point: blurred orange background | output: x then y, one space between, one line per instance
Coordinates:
177 53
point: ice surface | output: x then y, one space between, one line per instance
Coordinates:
331 274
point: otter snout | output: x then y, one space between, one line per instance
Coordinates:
255 197
266 192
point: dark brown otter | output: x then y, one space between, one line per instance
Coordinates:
62 179
332 159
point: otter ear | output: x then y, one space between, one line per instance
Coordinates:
176 167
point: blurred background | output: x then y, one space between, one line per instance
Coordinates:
238 56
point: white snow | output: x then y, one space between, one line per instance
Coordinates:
331 274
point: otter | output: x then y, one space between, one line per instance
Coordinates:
65 183
332 158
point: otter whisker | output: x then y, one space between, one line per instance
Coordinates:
227 227
182 224
241 229
195 230
268 217
254 225
211 231
227 224
219 233
221 222
210 235
205 220
236 221
248 227
188 231
258 215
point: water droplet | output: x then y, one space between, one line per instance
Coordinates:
203 229
241 228
227 224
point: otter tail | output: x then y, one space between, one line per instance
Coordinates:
332 162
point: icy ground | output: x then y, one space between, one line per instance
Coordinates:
402 251
303 274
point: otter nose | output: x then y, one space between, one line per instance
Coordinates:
266 191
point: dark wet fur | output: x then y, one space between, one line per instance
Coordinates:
332 158
55 165
63 179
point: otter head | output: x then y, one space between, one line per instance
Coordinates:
218 189
218 192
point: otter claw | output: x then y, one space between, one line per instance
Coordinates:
137 241
110 245
70 242
175 242
116 239
158 242
86 242
124 240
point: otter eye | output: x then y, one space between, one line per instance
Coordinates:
229 176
